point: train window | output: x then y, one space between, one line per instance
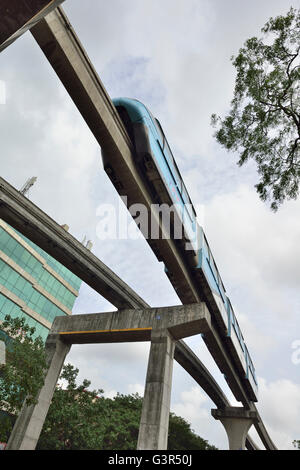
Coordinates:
223 287
214 269
205 246
168 164
232 312
248 355
209 255
187 202
188 212
222 290
236 326
168 154
238 330
160 131
185 195
169 157
250 364
176 174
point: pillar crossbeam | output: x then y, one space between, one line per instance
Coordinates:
237 422
162 326
132 324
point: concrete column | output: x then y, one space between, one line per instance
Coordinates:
237 422
29 423
2 353
154 424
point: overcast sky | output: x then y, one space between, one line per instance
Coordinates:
173 55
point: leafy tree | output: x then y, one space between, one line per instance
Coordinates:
22 376
76 418
79 419
296 444
182 437
122 428
264 118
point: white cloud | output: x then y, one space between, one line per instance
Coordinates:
195 408
261 250
111 367
136 388
192 400
259 342
279 407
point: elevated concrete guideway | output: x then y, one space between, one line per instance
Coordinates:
61 46
32 222
22 214
64 51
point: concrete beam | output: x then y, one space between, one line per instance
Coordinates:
262 431
132 325
31 221
193 366
216 346
29 424
237 422
17 16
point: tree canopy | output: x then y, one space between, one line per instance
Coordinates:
79 419
22 376
264 119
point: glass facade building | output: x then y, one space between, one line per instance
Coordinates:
33 285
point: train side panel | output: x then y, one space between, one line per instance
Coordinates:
154 154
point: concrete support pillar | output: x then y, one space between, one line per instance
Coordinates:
237 422
154 424
2 353
29 423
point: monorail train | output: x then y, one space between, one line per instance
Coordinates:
161 175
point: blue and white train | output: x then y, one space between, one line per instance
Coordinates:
160 173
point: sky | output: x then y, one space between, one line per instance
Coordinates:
174 56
